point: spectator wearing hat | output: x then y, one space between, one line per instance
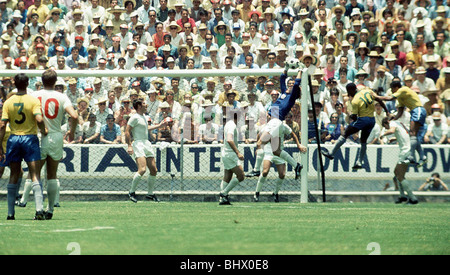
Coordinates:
382 82
149 62
445 97
117 19
102 112
346 50
422 82
433 104
55 4
16 20
99 90
110 132
393 68
8 64
437 132
91 130
125 35
55 22
399 55
130 57
432 71
79 44
92 57
73 93
168 49
443 82
33 60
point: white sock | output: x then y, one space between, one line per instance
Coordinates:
57 193
52 191
151 184
230 186
261 181
408 189
136 179
26 191
38 195
400 187
278 184
223 184
285 155
259 159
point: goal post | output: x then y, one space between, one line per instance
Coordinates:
304 136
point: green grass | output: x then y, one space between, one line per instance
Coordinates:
188 228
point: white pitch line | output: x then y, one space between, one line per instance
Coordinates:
83 229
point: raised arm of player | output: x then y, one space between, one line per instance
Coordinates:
302 148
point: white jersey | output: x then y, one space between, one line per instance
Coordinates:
400 133
140 126
284 130
230 128
402 139
54 106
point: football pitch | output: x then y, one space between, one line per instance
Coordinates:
244 228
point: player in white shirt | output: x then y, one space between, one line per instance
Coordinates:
54 106
231 156
143 151
280 163
401 134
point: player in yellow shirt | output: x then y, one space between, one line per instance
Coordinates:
23 112
4 163
363 107
407 98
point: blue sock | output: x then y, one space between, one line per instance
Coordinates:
12 189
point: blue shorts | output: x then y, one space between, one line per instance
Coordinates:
20 148
418 114
363 124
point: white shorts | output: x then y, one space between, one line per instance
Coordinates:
143 148
230 160
274 159
403 155
273 127
52 146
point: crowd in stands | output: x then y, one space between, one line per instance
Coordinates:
370 43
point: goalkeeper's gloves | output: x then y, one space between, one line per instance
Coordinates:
286 66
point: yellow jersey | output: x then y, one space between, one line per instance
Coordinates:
20 111
363 103
406 97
